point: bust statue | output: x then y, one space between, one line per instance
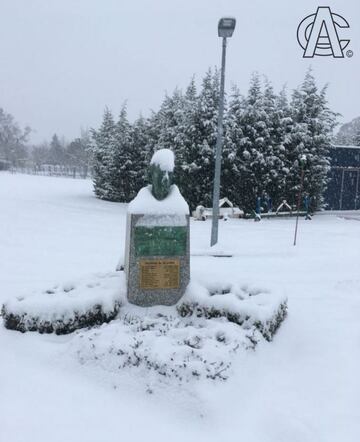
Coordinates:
161 173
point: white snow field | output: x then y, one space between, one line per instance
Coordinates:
303 386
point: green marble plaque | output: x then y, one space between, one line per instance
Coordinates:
160 241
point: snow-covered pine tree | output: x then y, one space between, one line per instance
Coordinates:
264 138
204 139
188 125
233 162
78 151
56 154
276 110
287 124
187 167
252 149
141 152
103 148
121 169
191 92
169 130
153 131
310 136
171 122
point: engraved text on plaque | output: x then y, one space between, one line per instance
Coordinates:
159 273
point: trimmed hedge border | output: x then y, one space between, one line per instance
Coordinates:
267 328
60 326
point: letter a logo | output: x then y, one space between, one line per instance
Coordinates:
317 34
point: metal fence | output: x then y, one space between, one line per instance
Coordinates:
54 170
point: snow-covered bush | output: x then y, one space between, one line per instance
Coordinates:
196 339
65 308
247 308
162 347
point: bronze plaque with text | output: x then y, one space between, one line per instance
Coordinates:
159 274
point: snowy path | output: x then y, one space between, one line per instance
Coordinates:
302 387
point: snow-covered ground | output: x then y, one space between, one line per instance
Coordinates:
304 386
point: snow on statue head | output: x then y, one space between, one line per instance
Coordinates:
161 173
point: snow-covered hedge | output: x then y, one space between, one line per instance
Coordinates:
245 307
65 308
196 339
159 346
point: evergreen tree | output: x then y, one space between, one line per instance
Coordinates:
276 109
254 151
131 157
233 162
103 151
253 146
171 122
56 154
310 136
187 124
264 137
78 151
204 142
285 127
154 125
142 152
121 168
186 167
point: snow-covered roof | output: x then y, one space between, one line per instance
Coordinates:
225 201
165 159
146 203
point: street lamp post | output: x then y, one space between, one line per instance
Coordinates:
226 28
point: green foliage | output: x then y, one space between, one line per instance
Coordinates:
103 157
119 157
310 136
265 135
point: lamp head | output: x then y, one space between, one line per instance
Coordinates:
226 26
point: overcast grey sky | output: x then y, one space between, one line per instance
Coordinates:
63 61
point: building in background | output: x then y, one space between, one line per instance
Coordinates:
343 192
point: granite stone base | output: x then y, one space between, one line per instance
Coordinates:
157 279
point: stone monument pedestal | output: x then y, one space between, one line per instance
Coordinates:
157 253
157 266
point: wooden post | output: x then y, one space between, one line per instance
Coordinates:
298 203
357 189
